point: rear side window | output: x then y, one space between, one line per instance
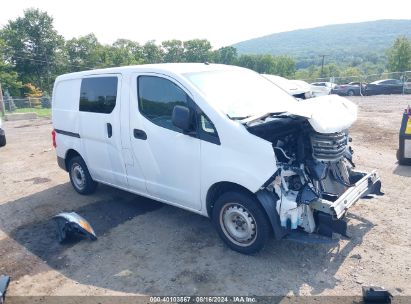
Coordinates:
98 94
157 98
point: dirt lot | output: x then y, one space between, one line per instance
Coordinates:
145 247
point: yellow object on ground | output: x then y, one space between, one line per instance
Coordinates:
408 126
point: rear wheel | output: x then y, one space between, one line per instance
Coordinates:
80 176
2 140
241 222
350 93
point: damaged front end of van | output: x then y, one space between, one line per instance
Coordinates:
315 182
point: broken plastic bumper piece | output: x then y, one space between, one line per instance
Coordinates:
69 223
366 184
4 283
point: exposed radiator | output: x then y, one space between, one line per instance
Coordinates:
328 147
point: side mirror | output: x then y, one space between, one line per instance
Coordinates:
181 118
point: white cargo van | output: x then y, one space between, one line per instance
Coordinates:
220 141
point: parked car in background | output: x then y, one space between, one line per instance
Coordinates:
2 136
305 86
322 88
296 88
384 86
349 89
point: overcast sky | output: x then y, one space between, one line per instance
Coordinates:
221 22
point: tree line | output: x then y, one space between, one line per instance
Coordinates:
396 59
33 53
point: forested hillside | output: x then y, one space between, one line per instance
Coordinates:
347 43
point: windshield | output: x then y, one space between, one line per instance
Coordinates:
241 93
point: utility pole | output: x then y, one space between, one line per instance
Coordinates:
48 73
322 65
2 107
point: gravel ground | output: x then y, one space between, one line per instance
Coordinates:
145 247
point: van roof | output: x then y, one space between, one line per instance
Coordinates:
174 68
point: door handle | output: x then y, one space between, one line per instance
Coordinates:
140 134
109 130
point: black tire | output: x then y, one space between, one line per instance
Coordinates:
350 93
2 141
80 177
241 204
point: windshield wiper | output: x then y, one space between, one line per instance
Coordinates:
263 117
238 117
276 114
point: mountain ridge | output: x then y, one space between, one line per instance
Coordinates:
338 41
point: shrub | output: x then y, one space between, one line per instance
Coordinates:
30 90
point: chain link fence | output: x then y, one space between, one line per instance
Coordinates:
39 105
404 77
42 105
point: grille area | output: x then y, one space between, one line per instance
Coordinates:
328 147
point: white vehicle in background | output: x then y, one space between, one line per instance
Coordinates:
322 88
296 88
304 86
221 141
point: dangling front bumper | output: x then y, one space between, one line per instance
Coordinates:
329 214
365 184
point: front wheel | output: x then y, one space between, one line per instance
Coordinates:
80 176
241 222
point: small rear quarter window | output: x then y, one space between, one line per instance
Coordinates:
98 94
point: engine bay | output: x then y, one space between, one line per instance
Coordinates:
313 168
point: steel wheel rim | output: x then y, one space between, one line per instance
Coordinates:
238 224
78 176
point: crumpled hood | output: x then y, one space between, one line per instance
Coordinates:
327 114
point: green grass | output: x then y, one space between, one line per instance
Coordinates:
40 112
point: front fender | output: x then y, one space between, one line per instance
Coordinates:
268 201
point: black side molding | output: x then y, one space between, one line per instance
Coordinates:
269 201
67 133
62 163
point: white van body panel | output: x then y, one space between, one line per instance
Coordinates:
130 164
323 116
177 132
186 177
140 166
65 116
322 112
104 153
170 161
243 159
